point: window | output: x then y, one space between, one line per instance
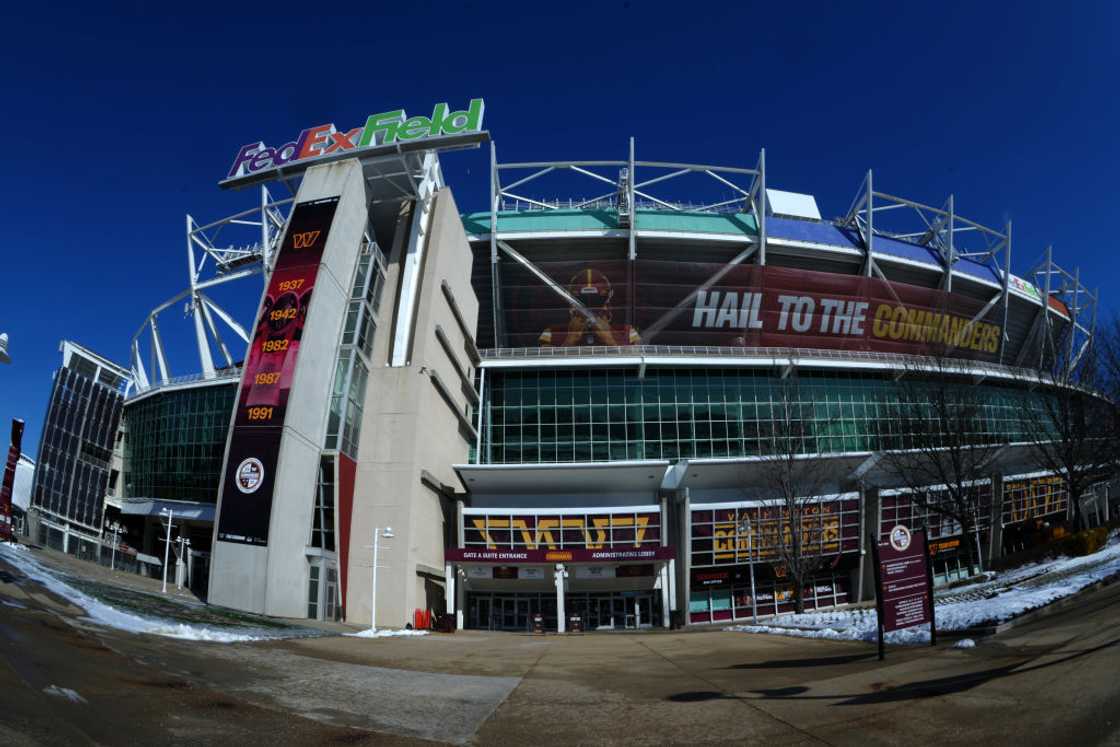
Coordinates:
344 421
322 520
611 414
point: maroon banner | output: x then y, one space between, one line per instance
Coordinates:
10 479
903 579
266 379
574 555
676 302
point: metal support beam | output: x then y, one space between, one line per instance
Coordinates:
868 240
1006 288
495 281
760 207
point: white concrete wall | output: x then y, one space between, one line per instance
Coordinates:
273 579
409 428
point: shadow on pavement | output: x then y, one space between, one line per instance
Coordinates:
820 661
909 691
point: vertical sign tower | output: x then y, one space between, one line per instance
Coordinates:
269 478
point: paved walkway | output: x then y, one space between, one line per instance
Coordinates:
1052 681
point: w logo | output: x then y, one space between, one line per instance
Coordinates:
305 240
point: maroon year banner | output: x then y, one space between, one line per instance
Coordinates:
266 378
10 479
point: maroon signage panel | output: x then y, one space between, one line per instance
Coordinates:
574 555
10 479
266 379
669 302
905 591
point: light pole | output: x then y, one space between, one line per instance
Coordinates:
378 533
180 563
170 513
115 528
745 524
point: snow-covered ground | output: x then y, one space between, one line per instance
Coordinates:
385 633
105 614
995 599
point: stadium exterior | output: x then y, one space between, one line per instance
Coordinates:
565 407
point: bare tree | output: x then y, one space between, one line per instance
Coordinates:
1072 427
793 474
940 451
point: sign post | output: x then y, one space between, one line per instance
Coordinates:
903 583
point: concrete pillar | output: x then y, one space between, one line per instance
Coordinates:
460 604
682 519
663 572
871 511
448 588
995 518
66 538
561 618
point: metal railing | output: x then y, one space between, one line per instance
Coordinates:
224 374
776 355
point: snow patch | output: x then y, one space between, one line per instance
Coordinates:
104 614
17 547
383 633
64 692
1007 595
965 643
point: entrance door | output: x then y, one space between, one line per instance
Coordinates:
508 612
644 611
522 614
606 617
482 614
619 610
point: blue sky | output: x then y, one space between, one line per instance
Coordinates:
118 123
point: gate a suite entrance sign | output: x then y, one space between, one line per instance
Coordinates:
904 583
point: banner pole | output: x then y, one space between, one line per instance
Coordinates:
929 582
878 598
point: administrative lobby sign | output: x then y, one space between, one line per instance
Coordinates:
325 141
266 379
903 582
564 555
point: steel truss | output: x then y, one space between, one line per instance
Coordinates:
951 236
209 264
1066 346
628 192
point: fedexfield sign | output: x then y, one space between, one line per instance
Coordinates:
379 129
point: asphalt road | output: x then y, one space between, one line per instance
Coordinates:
64 681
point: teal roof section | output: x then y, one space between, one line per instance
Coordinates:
548 221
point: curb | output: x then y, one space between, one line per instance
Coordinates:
1039 612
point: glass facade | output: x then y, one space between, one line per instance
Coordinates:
72 472
598 415
344 421
175 443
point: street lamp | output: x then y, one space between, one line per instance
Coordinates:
180 563
378 533
4 357
170 514
116 529
745 526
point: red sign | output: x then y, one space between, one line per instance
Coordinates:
573 555
673 302
266 380
903 579
10 479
